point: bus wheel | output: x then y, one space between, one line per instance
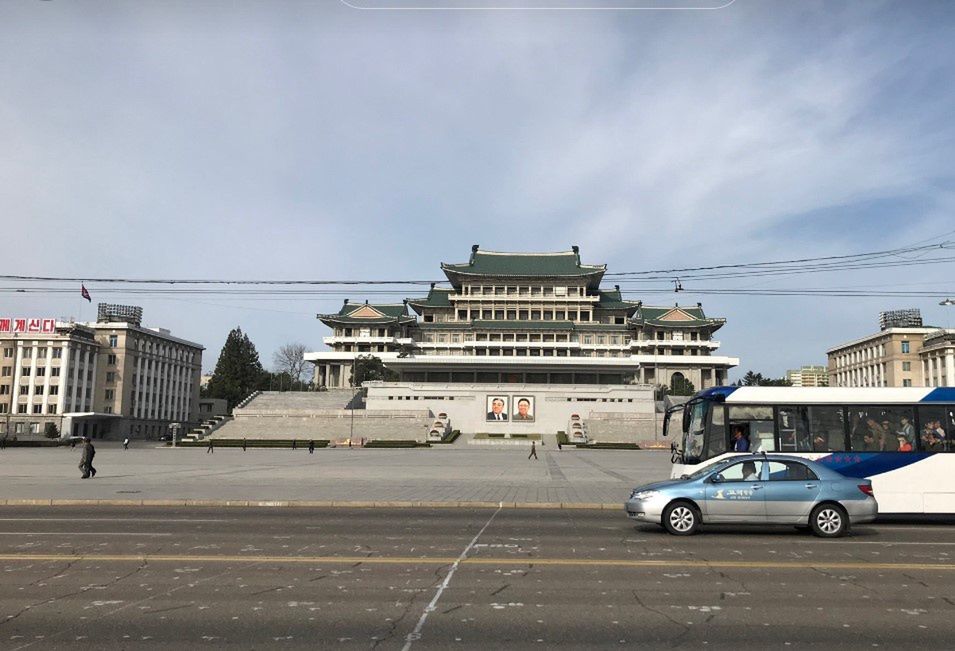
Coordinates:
829 521
681 519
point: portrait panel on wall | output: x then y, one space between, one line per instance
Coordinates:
523 409
497 408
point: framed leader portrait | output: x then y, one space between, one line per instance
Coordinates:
496 408
523 409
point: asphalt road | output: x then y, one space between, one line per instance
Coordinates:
114 578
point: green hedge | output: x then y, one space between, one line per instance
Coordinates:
608 446
38 443
252 443
396 444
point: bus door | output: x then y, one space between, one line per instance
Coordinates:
757 424
736 493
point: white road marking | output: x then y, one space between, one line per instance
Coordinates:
416 633
81 533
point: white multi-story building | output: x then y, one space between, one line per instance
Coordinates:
533 318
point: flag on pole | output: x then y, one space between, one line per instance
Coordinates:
85 294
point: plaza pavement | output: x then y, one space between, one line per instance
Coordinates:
151 475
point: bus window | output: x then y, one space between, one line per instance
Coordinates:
937 429
693 444
884 428
757 424
811 429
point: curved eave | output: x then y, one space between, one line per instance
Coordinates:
335 319
593 274
714 324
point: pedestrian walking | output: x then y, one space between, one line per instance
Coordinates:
243 445
311 447
126 443
533 450
3 442
294 441
210 449
559 446
86 461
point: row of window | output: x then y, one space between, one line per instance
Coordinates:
41 352
22 409
521 290
833 428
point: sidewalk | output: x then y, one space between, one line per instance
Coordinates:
150 475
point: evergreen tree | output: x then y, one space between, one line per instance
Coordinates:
238 371
369 367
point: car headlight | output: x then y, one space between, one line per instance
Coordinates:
643 495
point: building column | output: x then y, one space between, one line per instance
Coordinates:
949 368
64 378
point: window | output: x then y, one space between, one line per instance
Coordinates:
3 407
41 371
938 428
55 371
811 429
21 409
111 359
790 471
38 390
4 389
881 428
109 394
24 389
745 471
37 409
55 390
41 352
7 371
25 371
113 340
906 366
56 353
8 352
905 347
27 352
51 409
110 376
757 424
906 383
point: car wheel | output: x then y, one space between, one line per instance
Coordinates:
681 519
829 521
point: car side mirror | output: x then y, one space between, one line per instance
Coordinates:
717 478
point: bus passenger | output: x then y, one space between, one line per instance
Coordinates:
740 440
904 445
931 443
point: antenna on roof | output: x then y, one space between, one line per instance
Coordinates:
575 249
433 284
698 304
617 287
475 247
366 301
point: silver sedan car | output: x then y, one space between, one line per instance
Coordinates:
757 489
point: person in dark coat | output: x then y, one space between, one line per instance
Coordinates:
243 445
210 449
86 461
311 446
533 453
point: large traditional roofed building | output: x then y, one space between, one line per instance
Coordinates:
531 318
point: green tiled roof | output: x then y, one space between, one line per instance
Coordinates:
612 300
491 263
437 297
389 313
675 317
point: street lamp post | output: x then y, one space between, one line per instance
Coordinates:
175 431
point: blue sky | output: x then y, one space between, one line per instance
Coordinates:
311 140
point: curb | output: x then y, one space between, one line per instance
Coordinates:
594 506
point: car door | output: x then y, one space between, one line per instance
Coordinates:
735 494
790 491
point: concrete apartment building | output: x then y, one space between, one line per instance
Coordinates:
109 379
809 376
888 358
938 358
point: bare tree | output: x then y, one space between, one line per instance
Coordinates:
290 359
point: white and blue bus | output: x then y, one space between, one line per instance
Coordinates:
901 439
